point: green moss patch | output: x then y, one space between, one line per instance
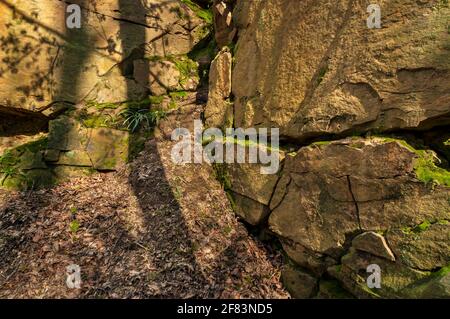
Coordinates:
23 166
178 95
119 115
427 171
424 165
187 67
204 14
424 226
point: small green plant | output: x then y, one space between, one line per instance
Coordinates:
178 192
186 66
74 226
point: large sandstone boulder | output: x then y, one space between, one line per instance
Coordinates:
69 149
314 67
300 284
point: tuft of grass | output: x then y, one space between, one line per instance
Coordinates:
136 118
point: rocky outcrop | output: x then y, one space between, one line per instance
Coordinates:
355 202
44 62
128 59
69 143
314 68
316 71
311 68
348 186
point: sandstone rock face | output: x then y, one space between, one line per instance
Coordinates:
352 185
45 62
316 71
219 111
314 67
163 77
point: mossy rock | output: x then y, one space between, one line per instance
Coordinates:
425 164
107 148
35 178
437 285
20 166
395 277
30 160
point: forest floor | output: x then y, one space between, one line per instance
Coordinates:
153 229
